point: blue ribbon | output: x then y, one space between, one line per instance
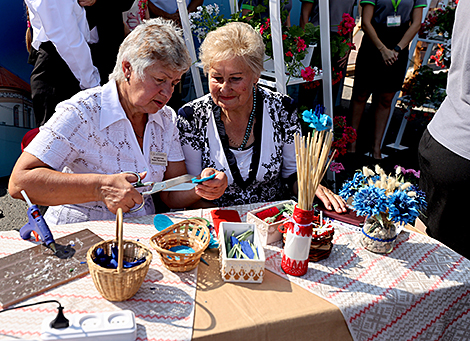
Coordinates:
380 240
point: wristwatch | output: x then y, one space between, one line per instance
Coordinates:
397 48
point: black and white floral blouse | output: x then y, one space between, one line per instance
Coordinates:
205 144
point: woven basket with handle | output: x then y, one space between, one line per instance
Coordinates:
122 283
192 233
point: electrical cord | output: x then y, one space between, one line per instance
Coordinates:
60 320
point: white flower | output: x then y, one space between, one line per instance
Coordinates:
367 172
405 186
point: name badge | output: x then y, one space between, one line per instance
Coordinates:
393 20
158 158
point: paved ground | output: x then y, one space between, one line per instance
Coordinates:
12 211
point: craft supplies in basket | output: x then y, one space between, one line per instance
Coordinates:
262 218
121 283
244 270
191 233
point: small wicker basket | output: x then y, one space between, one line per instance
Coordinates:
119 284
192 233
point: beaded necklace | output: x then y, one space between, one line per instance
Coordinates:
250 123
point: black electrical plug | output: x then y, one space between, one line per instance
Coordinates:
60 320
58 323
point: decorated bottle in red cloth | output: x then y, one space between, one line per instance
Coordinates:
297 245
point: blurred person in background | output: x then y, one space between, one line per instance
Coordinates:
389 26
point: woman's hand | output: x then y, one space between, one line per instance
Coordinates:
86 2
331 200
212 189
117 191
389 56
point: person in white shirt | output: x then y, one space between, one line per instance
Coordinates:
76 163
60 54
168 9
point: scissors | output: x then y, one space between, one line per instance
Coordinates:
179 183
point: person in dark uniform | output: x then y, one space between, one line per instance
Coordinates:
389 26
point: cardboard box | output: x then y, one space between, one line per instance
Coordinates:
241 270
268 233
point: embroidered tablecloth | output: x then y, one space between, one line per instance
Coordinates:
164 304
420 291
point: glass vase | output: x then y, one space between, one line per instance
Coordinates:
378 237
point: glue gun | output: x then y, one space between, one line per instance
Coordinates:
36 223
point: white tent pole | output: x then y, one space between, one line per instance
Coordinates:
278 50
324 16
188 38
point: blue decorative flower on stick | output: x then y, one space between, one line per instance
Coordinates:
317 118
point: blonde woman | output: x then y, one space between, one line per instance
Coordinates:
240 128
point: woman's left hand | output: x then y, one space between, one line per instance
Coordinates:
212 189
331 200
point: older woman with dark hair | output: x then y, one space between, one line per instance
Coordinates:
76 163
240 128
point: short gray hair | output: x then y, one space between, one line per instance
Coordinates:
155 40
236 39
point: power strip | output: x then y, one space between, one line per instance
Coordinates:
113 326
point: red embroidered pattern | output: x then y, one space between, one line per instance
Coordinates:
293 267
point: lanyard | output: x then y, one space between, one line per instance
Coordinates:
395 5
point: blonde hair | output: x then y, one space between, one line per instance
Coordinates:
155 40
236 39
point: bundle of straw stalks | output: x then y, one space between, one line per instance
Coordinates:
312 162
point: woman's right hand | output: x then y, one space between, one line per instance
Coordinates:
212 189
117 191
389 56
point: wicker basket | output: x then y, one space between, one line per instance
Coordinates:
192 233
119 284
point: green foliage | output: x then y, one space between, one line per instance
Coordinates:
425 88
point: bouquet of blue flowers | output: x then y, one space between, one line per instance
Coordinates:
385 199
376 194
